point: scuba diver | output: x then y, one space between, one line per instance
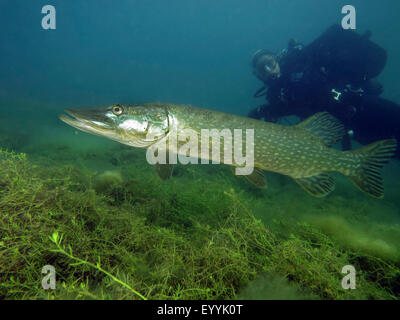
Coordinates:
335 73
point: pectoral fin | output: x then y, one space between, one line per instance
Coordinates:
318 186
164 170
256 177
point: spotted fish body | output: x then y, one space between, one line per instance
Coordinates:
290 150
301 151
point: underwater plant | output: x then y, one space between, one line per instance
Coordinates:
107 180
194 237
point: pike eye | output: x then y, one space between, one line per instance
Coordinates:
117 109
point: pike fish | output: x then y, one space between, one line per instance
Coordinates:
300 151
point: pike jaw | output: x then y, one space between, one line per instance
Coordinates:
135 125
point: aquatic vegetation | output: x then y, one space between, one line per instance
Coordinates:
68 252
353 236
193 237
271 286
107 181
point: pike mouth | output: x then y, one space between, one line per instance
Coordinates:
96 121
79 120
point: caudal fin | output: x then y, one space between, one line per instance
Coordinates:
368 176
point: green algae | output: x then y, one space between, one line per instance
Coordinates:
201 235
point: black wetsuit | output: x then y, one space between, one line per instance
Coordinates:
335 74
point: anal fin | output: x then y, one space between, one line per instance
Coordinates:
319 185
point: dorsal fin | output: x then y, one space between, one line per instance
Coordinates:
325 126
